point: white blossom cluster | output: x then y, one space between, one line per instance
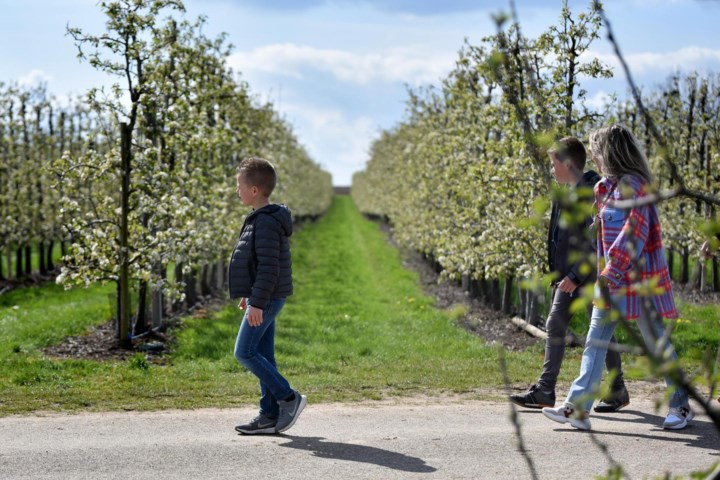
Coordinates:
192 122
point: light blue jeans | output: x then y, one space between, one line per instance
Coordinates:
255 350
583 390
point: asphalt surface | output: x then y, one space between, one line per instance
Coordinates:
411 438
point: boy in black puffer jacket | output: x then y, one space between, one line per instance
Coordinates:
569 249
261 276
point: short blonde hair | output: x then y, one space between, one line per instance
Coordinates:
617 152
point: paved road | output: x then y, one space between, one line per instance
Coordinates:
412 439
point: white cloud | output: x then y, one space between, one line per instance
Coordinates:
338 142
410 64
599 101
687 59
35 77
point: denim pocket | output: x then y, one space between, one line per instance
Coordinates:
614 217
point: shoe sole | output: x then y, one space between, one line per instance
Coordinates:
259 431
676 427
599 409
536 406
301 407
531 405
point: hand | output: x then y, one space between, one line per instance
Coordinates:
705 250
254 316
567 285
242 304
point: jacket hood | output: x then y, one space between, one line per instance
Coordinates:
589 179
281 213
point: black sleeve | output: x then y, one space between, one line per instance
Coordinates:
267 251
584 237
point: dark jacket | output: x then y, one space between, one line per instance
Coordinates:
569 248
260 267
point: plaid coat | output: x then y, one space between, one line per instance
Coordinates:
630 251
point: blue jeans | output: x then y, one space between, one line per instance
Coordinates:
583 389
557 327
255 350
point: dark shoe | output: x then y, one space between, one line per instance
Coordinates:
534 398
614 402
258 425
290 411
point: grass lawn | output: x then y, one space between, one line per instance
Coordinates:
358 327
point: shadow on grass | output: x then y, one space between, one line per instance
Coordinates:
359 453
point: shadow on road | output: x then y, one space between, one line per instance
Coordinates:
699 433
358 453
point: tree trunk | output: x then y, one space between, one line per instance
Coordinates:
670 262
496 295
465 282
522 299
702 280
534 304
124 284
698 274
685 270
28 260
191 288
41 256
715 273
484 290
50 262
220 277
507 295
156 300
118 313
19 263
8 258
475 290
178 304
141 317
205 289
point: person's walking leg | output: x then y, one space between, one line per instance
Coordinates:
247 352
542 394
658 343
582 391
556 327
266 348
618 396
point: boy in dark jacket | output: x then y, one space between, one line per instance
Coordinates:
569 250
261 276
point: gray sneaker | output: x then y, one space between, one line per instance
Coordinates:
290 411
678 418
568 414
258 425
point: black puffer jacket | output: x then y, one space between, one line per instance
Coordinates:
569 248
260 267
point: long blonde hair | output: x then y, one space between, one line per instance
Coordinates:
617 152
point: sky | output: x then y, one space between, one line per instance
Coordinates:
338 70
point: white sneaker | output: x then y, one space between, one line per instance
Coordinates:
568 414
678 417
